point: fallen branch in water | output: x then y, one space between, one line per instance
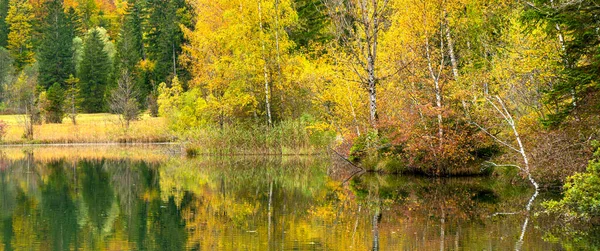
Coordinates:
357 172
347 160
511 213
519 148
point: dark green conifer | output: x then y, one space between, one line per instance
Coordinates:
3 25
94 73
577 24
165 37
55 52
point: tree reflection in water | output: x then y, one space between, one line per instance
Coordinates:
247 203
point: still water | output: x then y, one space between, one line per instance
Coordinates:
148 198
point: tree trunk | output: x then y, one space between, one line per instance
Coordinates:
437 89
372 101
438 102
279 74
174 60
443 230
453 60
265 71
376 218
371 59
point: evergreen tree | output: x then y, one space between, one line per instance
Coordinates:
19 37
3 25
312 23
6 63
131 44
56 52
54 107
94 73
165 37
575 24
130 48
6 69
74 20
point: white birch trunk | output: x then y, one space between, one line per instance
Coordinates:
453 60
265 70
438 91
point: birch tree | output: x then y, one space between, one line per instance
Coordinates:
359 26
500 108
265 70
237 54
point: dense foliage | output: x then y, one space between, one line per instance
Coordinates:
92 41
403 85
582 193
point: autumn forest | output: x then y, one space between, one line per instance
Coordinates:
430 88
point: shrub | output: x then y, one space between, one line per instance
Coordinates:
364 146
581 193
54 106
3 129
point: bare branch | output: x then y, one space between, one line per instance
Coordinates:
495 138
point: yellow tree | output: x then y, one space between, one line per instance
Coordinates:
418 37
360 24
446 48
19 17
235 54
337 100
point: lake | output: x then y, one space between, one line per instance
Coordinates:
151 198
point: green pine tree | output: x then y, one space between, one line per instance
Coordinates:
576 26
74 19
130 49
312 23
55 57
165 37
56 53
94 73
3 25
72 100
54 109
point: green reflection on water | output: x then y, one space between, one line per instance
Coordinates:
251 203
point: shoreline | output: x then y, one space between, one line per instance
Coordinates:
89 144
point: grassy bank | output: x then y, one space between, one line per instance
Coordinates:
90 128
286 138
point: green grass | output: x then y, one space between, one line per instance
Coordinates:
90 128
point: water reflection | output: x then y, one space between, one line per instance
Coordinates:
250 204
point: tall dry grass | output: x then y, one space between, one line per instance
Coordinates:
90 128
286 138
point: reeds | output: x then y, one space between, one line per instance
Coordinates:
90 128
286 138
